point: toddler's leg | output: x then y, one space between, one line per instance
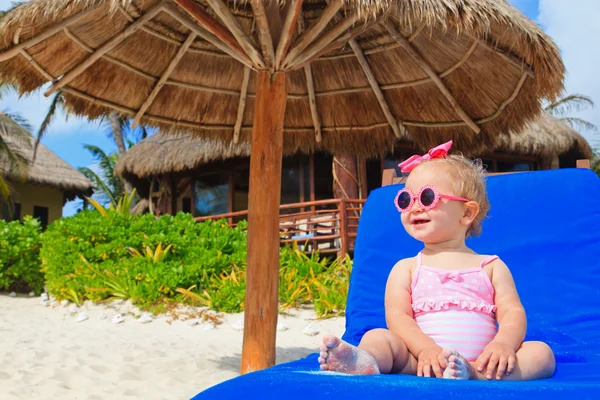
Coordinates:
380 351
535 360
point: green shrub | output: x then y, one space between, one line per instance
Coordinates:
91 256
305 279
96 256
19 256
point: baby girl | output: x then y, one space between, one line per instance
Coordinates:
450 312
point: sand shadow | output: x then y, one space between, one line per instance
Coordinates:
284 354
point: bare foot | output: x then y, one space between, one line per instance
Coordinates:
457 366
339 356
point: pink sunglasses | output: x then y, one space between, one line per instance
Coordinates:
428 198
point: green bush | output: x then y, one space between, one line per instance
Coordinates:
97 256
91 256
19 256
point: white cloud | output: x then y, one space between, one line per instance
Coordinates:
574 27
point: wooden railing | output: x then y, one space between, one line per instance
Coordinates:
329 226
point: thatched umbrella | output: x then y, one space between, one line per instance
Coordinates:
47 169
342 75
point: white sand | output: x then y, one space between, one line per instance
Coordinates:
46 354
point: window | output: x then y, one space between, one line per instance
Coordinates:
17 211
11 211
514 166
186 205
290 181
373 167
241 186
41 213
323 176
212 195
389 163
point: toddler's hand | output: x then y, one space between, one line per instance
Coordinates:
499 357
431 360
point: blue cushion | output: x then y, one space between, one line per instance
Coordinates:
545 225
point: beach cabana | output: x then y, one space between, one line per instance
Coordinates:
552 142
43 186
205 177
338 75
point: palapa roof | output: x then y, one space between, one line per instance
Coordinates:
47 169
545 136
361 73
162 154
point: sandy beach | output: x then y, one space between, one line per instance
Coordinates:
45 353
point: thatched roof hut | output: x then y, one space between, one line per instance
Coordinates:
163 154
545 137
48 169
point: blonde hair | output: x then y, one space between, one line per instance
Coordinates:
468 181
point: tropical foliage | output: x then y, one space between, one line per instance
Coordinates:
564 107
155 262
108 186
16 163
19 256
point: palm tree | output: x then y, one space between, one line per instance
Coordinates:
109 187
120 131
572 103
15 161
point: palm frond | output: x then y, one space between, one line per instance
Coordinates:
105 161
104 190
4 190
96 152
20 120
580 124
17 163
107 164
569 104
57 101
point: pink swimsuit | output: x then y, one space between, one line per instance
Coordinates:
455 308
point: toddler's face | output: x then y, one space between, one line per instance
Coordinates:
441 223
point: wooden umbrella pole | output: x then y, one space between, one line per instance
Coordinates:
262 273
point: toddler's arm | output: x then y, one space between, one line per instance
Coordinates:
512 321
398 310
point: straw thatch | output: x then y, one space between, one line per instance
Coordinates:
545 137
162 154
47 169
430 69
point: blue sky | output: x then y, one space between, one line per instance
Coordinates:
572 24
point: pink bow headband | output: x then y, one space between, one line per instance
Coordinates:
437 152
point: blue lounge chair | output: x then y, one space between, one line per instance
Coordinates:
545 225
